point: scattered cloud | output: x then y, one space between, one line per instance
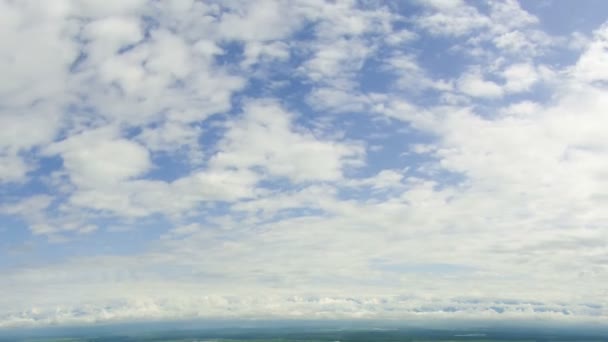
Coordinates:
305 159
474 84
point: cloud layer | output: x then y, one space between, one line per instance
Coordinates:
304 159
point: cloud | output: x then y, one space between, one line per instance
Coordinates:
142 198
336 61
298 307
280 149
520 77
591 65
304 159
13 168
170 136
98 158
474 84
112 34
266 21
451 18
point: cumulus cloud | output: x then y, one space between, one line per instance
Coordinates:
520 77
591 65
96 158
451 18
264 138
474 84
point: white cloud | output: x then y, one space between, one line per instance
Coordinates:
143 198
385 179
305 306
96 9
170 73
267 206
401 37
520 77
37 211
12 168
267 20
592 64
504 24
345 19
522 108
33 204
338 100
265 137
451 18
22 130
337 61
25 78
111 34
411 76
99 158
474 84
508 15
32 92
170 136
276 51
170 56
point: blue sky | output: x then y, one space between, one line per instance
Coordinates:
303 159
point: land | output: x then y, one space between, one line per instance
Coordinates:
301 333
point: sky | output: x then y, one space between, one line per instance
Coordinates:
303 159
